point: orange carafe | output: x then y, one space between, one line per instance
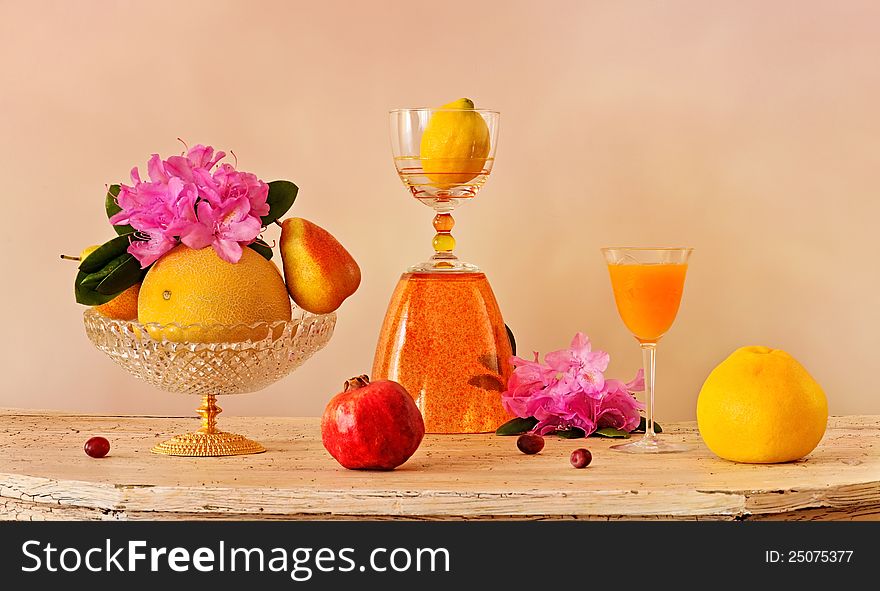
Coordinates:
444 340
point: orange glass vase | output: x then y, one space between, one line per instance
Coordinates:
444 340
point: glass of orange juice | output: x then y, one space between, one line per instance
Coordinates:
647 284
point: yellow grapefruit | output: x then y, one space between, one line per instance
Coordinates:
761 406
206 299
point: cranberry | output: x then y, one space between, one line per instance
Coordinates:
581 458
97 447
529 443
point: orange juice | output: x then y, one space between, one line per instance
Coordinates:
647 296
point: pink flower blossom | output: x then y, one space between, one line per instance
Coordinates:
223 226
617 407
580 364
198 157
227 183
570 390
187 199
148 251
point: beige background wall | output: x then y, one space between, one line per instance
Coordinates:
749 130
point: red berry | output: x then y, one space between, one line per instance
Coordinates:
530 443
97 447
581 458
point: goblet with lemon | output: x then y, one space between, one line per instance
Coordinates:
443 336
444 156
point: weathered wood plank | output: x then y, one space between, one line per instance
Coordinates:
45 475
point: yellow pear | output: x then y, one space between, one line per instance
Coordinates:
83 253
87 251
319 272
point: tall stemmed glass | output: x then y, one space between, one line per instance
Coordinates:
441 182
647 284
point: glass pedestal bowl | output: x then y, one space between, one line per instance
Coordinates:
209 367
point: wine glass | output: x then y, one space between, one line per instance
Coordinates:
647 284
208 368
445 173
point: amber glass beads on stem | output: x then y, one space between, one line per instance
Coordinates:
443 240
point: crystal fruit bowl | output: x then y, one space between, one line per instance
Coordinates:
195 360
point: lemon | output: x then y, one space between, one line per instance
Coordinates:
761 406
189 287
455 144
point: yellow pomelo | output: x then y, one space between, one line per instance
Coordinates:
196 287
455 144
761 406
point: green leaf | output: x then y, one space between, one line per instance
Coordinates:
517 426
123 276
112 208
282 194
263 249
91 280
573 433
107 272
643 424
510 337
105 253
87 296
611 432
94 289
110 205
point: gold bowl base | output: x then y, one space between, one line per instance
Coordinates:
208 445
208 441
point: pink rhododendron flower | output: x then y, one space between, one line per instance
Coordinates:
570 390
617 407
227 183
580 364
223 226
187 199
199 157
148 251
529 378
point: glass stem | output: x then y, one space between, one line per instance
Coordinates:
443 242
649 355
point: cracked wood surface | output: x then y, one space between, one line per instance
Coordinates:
44 474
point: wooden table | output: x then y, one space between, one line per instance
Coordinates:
44 474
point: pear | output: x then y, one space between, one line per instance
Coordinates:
87 251
83 253
319 272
